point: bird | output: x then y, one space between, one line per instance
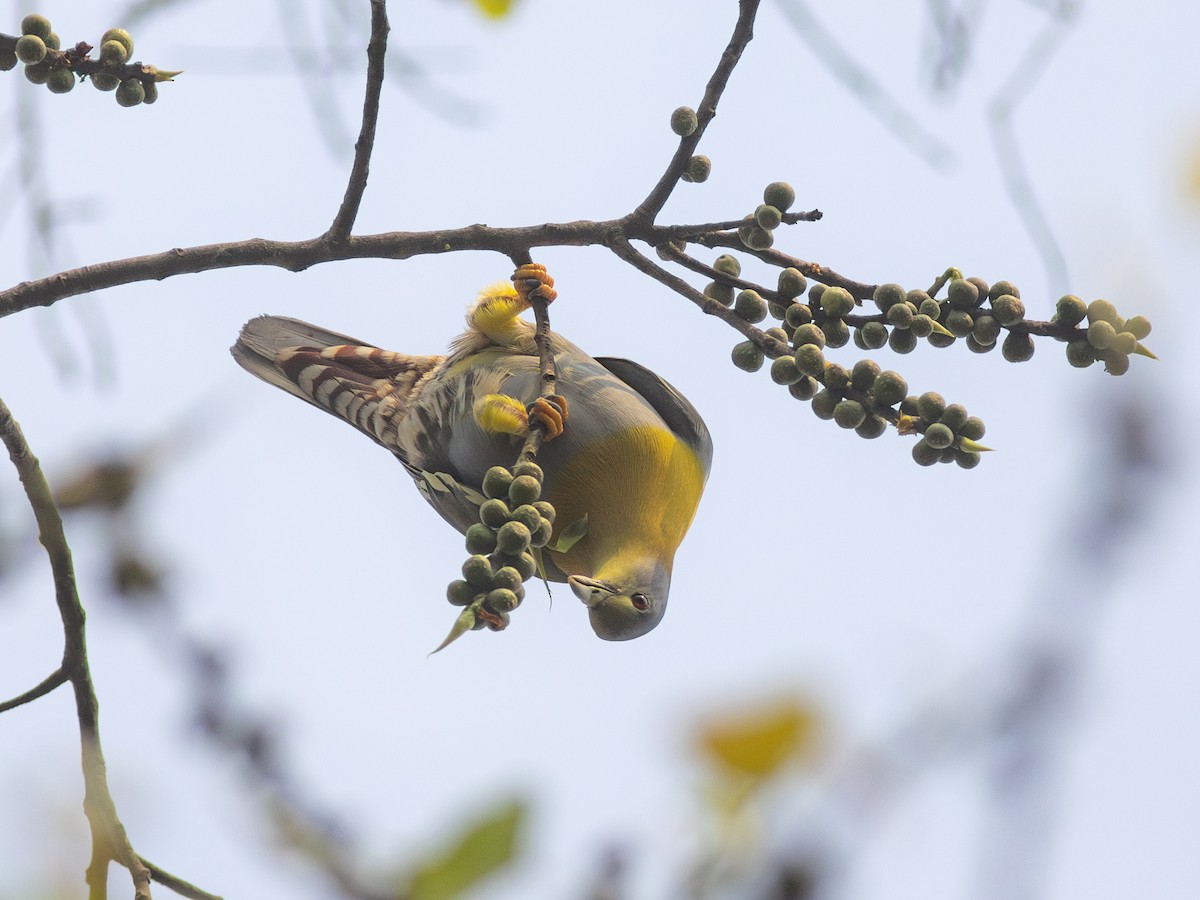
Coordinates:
625 456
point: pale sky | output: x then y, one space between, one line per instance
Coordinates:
819 564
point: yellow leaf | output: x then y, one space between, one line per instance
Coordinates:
495 9
479 849
759 741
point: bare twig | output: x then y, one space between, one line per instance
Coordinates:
743 33
376 52
50 682
109 841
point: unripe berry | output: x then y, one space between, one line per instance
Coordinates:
524 489
1138 326
889 388
120 35
38 73
972 429
747 356
962 294
684 121
530 468
496 481
30 49
1069 310
1000 288
837 333
797 315
513 538
902 341
836 302
508 577
750 306
114 52
810 360
792 283
779 194
728 265
849 414
719 291
460 593
930 307
874 335
921 326
836 377
62 81
477 571
1115 362
900 315
804 389
887 295
105 82
966 459
493 513
1017 347
8 59
924 455
37 25
502 600
1008 310
1100 334
953 416
824 403
930 406
1103 311
480 539
698 169
808 334
872 427
959 322
939 436
784 371
527 515
864 373
767 216
986 329
939 340
758 238
131 92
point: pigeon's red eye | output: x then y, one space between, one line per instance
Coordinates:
640 601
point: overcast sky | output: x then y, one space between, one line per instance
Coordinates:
820 564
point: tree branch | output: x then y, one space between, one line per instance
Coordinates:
743 33
376 53
109 840
54 679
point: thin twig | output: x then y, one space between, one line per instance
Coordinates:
376 52
109 841
55 679
743 33
769 345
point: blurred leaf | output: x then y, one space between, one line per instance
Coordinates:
107 484
481 848
495 9
759 741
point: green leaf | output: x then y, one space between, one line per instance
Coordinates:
478 850
464 623
571 535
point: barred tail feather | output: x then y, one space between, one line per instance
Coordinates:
369 388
